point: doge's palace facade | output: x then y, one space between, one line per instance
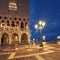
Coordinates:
14 21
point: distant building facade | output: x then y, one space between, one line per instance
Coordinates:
14 21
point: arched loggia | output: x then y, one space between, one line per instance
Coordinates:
24 39
5 38
15 38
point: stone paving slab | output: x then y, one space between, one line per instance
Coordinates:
29 51
52 56
54 45
4 57
26 58
49 52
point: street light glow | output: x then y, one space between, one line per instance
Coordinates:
41 27
40 22
43 24
36 26
58 37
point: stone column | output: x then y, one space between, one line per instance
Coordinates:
20 39
28 40
28 37
10 38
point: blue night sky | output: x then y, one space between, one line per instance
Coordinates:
48 11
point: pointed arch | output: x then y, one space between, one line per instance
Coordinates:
22 25
5 38
24 38
15 38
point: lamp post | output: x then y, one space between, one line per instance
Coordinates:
40 26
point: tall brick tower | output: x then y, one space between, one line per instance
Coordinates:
14 21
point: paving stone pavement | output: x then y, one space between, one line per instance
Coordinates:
49 52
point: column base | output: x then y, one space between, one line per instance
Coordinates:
41 45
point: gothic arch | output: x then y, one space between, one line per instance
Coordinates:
15 38
22 25
5 38
13 24
24 38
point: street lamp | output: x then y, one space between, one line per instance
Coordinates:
40 26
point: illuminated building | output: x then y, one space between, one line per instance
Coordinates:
14 21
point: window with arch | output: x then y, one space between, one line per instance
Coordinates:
25 23
2 21
15 18
7 21
12 24
12 21
8 24
17 23
22 25
5 17
3 24
12 5
23 19
20 19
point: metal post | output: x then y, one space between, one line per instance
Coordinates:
41 44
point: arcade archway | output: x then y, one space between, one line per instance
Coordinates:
15 38
24 39
5 38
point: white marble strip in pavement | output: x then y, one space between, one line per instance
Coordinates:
57 48
49 57
39 57
4 53
49 51
6 49
12 55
